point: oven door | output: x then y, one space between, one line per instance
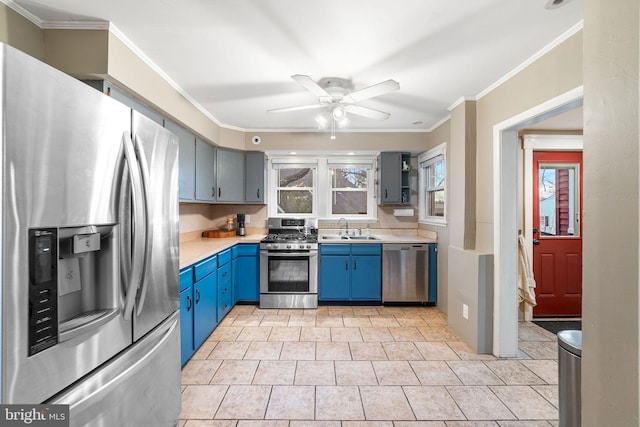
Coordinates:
288 272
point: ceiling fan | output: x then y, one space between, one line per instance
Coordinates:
336 98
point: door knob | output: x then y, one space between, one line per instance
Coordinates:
536 242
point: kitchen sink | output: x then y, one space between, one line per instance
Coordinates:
336 237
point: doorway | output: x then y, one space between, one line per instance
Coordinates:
505 216
557 233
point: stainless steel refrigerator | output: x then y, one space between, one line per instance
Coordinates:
89 279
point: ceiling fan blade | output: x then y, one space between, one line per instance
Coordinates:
299 108
372 91
367 112
310 85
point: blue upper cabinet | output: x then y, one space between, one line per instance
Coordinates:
256 177
230 176
394 178
205 171
186 161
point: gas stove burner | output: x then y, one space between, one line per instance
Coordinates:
288 237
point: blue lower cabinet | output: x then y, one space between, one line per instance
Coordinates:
224 291
205 311
366 277
433 272
350 272
246 272
186 314
334 278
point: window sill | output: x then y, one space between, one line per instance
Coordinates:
350 219
440 222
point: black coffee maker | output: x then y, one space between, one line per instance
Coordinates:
240 229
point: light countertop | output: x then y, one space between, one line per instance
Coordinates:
382 238
193 251
196 250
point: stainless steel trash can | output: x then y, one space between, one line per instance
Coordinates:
569 362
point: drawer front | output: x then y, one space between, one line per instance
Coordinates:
224 257
224 299
335 249
366 249
186 278
248 249
206 267
224 274
224 291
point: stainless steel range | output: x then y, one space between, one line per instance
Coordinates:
289 264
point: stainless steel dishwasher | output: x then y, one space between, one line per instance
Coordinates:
405 272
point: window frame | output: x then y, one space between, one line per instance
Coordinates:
425 160
291 162
365 163
323 190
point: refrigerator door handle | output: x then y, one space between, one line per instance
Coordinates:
144 172
139 226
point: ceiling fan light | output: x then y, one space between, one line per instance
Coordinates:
339 113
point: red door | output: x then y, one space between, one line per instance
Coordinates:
557 227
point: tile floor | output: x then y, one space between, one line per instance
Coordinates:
354 366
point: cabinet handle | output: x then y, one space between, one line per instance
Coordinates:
189 302
219 192
385 193
258 193
355 264
213 192
346 264
197 296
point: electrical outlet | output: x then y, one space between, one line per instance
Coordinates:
247 219
465 311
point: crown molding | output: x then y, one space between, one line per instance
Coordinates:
539 54
75 25
439 123
23 12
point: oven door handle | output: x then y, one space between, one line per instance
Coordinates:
282 254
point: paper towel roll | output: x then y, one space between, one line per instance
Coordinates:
403 212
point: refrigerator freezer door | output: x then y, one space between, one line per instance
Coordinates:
61 168
129 390
157 152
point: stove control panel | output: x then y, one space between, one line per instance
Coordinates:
284 246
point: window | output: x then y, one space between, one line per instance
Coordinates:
344 183
349 185
295 188
348 191
432 185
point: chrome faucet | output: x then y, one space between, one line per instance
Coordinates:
346 225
